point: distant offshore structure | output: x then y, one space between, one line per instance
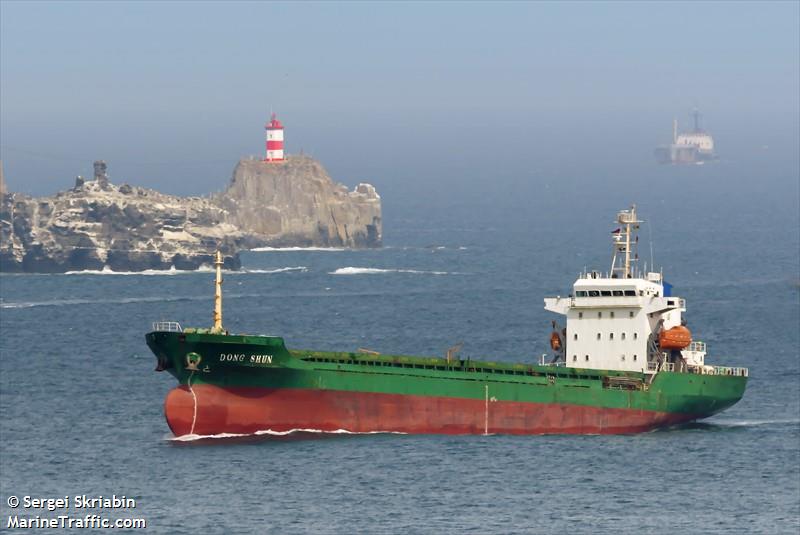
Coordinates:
695 147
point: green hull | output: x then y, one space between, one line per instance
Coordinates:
235 367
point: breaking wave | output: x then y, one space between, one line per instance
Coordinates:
172 271
377 271
285 249
243 271
270 433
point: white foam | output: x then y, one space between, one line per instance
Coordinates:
377 271
171 271
294 249
270 432
244 271
752 423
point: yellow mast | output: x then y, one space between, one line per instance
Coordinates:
218 295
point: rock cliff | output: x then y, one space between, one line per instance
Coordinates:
98 224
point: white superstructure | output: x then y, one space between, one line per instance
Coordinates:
614 320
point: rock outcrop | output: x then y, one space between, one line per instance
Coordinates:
98 225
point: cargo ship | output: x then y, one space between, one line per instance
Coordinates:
695 147
625 362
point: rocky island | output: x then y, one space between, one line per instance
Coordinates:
99 225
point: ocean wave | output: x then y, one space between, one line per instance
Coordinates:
120 301
271 433
752 423
293 249
171 271
244 271
377 271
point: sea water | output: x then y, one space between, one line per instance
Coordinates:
82 405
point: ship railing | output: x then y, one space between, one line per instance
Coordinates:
167 326
543 362
720 370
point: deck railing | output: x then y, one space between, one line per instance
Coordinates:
167 326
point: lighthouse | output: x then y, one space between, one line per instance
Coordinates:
274 130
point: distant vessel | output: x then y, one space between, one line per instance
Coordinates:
624 363
695 147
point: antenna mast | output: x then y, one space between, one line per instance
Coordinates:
624 242
218 294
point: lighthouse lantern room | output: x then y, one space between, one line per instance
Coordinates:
274 130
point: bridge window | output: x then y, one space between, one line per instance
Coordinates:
606 293
580 293
617 292
593 293
630 293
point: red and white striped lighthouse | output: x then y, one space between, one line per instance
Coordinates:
274 130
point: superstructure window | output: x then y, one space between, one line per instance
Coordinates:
594 293
630 314
580 293
630 293
606 293
617 293
635 336
610 336
599 314
575 336
623 336
634 358
574 358
612 314
598 336
580 315
587 358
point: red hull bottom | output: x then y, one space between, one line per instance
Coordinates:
211 410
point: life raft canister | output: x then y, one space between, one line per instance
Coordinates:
678 337
555 341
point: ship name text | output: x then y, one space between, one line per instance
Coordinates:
241 357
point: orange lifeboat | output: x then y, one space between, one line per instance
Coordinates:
555 341
677 337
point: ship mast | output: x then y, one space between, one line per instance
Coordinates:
624 242
218 294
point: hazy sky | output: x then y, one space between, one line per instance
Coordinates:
172 94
